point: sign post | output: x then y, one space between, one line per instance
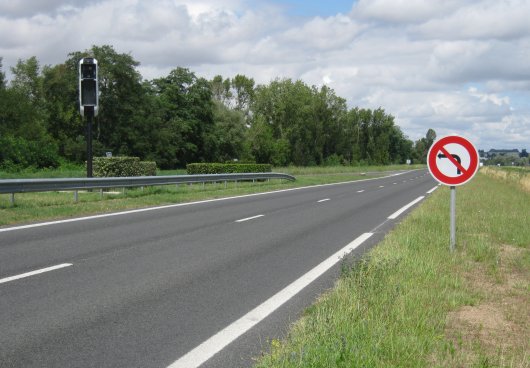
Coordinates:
88 100
453 161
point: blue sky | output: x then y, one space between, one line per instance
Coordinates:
456 66
316 8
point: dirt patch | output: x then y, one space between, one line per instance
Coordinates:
497 331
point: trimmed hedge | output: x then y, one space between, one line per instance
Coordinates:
104 167
232 168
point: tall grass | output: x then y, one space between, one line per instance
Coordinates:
519 176
390 308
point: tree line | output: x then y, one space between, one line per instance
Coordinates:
182 118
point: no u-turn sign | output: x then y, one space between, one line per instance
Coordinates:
453 160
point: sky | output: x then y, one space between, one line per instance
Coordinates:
456 66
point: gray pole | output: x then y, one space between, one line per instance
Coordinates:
453 218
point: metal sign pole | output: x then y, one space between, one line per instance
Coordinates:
453 218
89 113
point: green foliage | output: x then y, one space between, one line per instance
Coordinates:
181 118
17 153
232 168
148 168
2 76
422 147
122 167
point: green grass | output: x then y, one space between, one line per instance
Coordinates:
397 306
31 207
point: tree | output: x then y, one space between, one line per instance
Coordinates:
422 146
24 140
221 90
2 76
27 79
64 123
228 134
186 109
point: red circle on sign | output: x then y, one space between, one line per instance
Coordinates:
467 173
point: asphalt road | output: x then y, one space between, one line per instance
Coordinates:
143 289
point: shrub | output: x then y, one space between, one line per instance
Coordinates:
17 153
122 167
148 168
232 168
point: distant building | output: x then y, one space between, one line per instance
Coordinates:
492 153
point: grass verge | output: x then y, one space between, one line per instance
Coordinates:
31 207
411 303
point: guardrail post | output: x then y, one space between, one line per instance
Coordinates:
12 199
76 196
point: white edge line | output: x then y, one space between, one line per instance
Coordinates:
432 190
323 200
22 227
33 273
249 218
404 208
220 340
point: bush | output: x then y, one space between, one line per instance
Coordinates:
122 166
232 168
18 153
148 168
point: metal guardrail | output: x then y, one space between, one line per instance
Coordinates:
12 186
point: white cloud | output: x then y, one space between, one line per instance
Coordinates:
454 66
402 11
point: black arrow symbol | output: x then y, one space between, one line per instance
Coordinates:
456 157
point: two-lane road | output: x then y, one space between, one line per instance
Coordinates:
154 287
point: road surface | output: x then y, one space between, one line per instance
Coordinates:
153 288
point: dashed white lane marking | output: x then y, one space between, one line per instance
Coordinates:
49 223
33 273
250 218
323 200
404 208
381 186
360 191
432 190
220 340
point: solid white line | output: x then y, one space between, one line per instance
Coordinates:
323 200
432 190
22 227
404 208
32 273
250 218
220 340
360 191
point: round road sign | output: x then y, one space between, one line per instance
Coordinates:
453 160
